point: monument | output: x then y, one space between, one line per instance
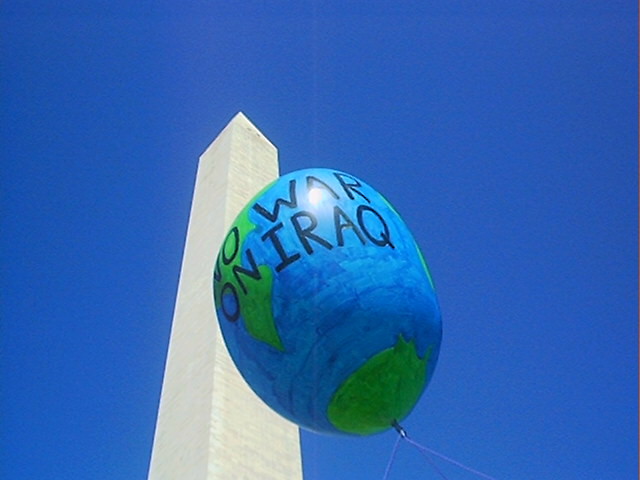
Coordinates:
210 424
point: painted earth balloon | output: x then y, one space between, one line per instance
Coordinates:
326 304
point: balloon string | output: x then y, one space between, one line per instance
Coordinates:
432 463
450 460
426 453
393 456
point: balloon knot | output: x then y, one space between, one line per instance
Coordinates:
401 431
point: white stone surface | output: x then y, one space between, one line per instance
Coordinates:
210 424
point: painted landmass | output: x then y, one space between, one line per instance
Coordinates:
255 304
384 389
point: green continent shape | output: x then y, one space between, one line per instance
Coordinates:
257 310
255 305
424 265
384 389
388 204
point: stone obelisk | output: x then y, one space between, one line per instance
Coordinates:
210 424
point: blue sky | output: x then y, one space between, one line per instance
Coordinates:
505 134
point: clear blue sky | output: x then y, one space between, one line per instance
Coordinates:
504 132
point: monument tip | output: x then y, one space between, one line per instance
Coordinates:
241 119
240 114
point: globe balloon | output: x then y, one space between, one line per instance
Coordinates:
326 304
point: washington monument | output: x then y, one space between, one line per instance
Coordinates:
210 424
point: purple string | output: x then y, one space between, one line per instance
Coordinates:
427 451
431 462
393 455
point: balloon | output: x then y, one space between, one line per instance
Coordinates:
326 304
